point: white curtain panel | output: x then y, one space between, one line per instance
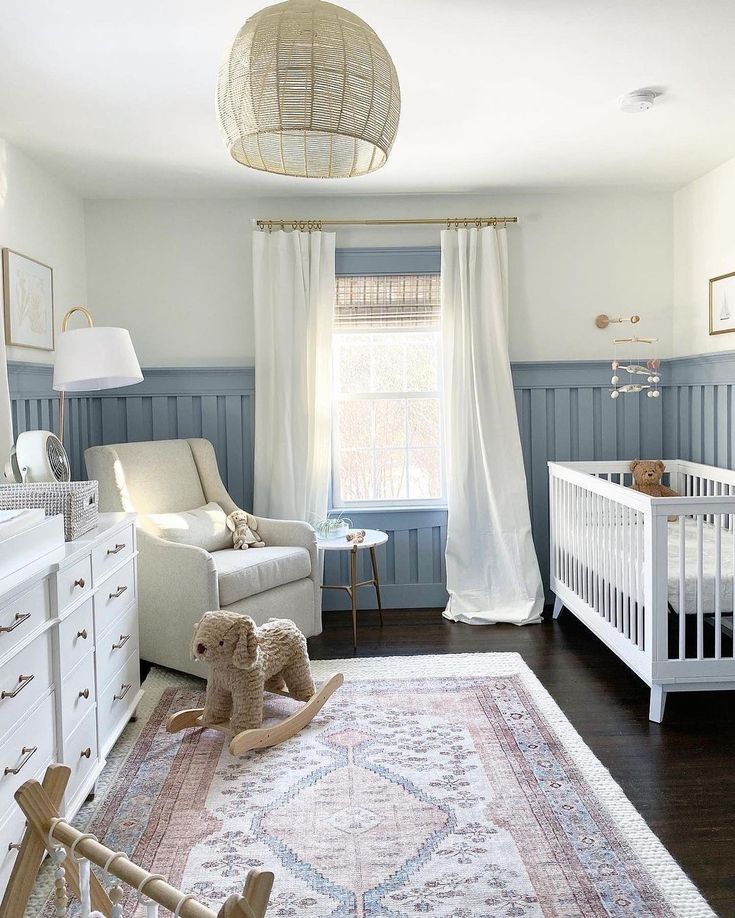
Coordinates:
492 570
294 293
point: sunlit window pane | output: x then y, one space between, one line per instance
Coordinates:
390 422
424 474
424 428
422 364
390 474
389 357
353 364
354 423
356 474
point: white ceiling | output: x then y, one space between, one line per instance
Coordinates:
118 97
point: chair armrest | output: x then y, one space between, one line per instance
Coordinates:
177 585
287 532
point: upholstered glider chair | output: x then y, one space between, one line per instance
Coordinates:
186 564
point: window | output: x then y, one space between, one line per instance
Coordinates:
387 402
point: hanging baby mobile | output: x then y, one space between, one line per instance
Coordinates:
633 371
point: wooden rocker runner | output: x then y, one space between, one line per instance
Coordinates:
261 737
244 662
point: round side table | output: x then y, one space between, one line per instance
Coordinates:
373 538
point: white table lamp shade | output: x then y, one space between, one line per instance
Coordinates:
94 358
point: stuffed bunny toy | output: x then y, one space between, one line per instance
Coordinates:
244 529
244 661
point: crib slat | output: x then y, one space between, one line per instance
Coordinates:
700 577
682 587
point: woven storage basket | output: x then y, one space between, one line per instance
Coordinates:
76 500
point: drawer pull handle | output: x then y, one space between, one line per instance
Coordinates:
118 547
124 638
81 583
83 634
124 689
22 683
20 617
118 592
27 752
84 694
86 753
14 846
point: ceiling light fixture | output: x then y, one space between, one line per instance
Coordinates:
308 89
638 101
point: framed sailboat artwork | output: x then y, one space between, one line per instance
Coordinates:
722 304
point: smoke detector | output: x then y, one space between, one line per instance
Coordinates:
638 101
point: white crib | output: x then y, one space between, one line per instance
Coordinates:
659 593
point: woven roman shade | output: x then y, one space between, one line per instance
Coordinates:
308 89
410 301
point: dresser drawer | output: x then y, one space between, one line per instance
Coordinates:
80 753
11 833
32 743
116 701
111 552
117 592
76 637
23 680
19 617
115 645
73 582
78 695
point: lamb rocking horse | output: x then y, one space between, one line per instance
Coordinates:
244 662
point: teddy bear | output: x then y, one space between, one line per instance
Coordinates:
244 661
244 529
647 475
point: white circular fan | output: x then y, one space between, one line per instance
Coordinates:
38 455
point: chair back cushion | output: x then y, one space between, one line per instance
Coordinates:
205 527
157 476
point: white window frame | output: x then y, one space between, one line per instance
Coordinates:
337 502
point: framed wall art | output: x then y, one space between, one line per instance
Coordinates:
722 304
28 294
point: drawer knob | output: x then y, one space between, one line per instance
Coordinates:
20 617
81 583
84 694
86 753
27 752
124 689
124 638
118 547
118 592
83 634
23 681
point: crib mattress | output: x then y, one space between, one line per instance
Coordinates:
709 554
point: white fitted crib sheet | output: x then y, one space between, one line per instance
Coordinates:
709 562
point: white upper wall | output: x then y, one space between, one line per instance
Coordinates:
178 273
704 247
42 218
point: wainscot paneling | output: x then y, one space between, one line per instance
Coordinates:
564 412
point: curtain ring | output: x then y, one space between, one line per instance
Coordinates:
112 858
50 843
182 901
73 849
145 881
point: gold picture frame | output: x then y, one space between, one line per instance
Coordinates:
28 301
722 304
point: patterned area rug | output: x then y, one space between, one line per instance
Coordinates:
448 786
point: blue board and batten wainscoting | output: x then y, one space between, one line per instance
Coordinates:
564 413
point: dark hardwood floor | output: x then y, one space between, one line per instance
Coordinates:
680 775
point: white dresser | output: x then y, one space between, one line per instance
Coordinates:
69 666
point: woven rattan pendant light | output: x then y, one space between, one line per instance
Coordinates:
308 89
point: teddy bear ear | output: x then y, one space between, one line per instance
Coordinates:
633 464
660 464
246 649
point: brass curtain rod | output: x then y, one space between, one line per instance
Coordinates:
449 222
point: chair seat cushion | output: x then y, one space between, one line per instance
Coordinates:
255 570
